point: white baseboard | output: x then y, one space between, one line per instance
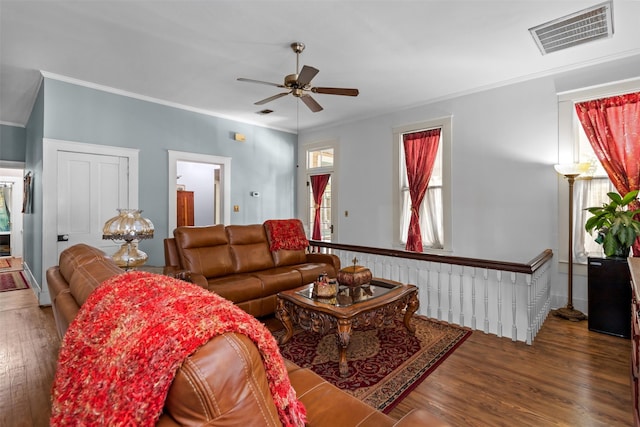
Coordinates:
41 291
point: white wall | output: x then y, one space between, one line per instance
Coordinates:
504 188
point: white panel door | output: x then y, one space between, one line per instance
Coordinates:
91 187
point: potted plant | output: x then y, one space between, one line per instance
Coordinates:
614 223
609 293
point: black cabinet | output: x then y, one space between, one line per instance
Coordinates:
609 289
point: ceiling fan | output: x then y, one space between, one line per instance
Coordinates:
299 84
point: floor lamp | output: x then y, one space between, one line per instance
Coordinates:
570 172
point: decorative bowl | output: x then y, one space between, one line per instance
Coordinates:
355 275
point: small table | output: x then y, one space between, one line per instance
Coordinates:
375 304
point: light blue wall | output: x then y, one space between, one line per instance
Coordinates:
265 162
32 222
12 143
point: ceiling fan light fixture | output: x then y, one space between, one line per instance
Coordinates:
299 84
575 29
264 112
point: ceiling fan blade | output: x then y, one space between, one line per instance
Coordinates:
311 103
272 98
335 91
306 75
260 82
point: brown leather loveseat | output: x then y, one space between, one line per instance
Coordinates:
237 262
218 385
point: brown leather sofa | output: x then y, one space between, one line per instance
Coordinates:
223 382
236 263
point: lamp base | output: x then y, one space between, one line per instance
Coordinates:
570 314
129 256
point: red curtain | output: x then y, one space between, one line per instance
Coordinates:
318 185
420 150
612 126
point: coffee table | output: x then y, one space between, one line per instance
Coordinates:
375 304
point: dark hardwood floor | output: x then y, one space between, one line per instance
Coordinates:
568 377
28 352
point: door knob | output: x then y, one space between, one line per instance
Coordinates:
63 237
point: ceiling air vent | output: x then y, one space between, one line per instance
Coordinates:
575 29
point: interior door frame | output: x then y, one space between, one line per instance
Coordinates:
50 150
17 217
305 175
225 183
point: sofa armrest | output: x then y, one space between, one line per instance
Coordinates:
325 258
199 280
171 256
420 417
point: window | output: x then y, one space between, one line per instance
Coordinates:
320 181
592 189
435 208
589 191
322 158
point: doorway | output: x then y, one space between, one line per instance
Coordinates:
202 182
193 168
11 192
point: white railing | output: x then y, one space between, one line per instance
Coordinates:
501 298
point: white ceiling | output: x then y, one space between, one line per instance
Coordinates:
399 53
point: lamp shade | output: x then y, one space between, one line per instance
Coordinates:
572 168
128 225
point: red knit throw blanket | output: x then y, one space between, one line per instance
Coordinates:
121 353
287 234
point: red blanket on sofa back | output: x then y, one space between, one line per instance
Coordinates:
121 353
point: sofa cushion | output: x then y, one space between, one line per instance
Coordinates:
222 383
285 257
204 250
89 276
279 279
249 248
310 271
237 287
287 241
75 256
314 392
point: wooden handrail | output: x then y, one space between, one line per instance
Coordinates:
528 268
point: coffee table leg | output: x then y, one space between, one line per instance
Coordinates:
412 307
344 336
283 316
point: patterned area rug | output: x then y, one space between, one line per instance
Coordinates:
10 264
13 281
385 364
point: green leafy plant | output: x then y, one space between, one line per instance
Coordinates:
614 223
